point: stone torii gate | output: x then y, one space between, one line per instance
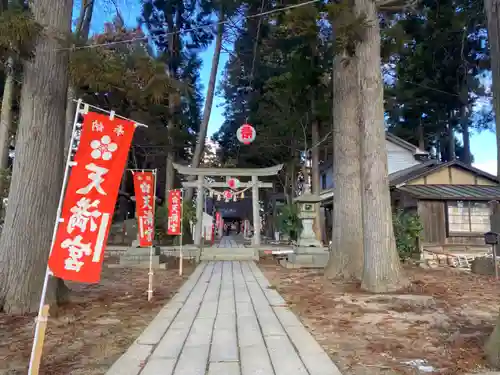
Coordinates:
255 184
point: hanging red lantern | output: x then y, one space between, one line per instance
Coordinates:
246 134
233 183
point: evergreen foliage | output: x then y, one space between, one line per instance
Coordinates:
436 57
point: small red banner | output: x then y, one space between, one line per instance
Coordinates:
90 198
174 212
144 187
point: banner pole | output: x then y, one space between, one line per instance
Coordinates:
182 235
150 273
43 310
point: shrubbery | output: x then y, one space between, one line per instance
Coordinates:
407 230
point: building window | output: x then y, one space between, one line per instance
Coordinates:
468 217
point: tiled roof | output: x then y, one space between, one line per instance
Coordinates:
427 168
414 171
453 192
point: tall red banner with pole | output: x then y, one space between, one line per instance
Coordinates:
174 213
144 187
90 198
88 195
174 225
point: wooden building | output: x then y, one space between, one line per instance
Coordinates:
451 200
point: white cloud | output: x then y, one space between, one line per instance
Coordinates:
489 166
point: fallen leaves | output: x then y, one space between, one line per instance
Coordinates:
443 318
95 328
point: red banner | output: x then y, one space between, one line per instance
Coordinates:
90 198
174 212
144 187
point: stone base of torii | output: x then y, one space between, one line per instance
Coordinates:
200 184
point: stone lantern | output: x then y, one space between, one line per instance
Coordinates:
307 214
309 253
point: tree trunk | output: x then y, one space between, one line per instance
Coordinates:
439 149
421 136
169 166
207 109
466 136
464 123
173 27
169 174
6 122
70 116
316 187
492 347
37 172
451 141
346 253
293 172
492 8
287 188
382 270
82 35
305 175
122 207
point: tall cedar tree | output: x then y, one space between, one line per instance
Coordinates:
17 33
224 10
270 82
176 37
36 184
382 270
131 79
346 251
439 54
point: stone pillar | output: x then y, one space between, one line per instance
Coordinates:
255 211
199 211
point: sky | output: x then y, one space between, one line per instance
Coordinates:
483 145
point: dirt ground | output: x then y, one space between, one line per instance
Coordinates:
437 326
96 327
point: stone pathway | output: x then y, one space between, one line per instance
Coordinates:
225 320
230 242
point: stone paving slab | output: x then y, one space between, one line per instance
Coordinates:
230 242
225 320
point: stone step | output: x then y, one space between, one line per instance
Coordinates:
142 251
249 251
160 266
129 260
228 251
229 248
191 253
228 257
